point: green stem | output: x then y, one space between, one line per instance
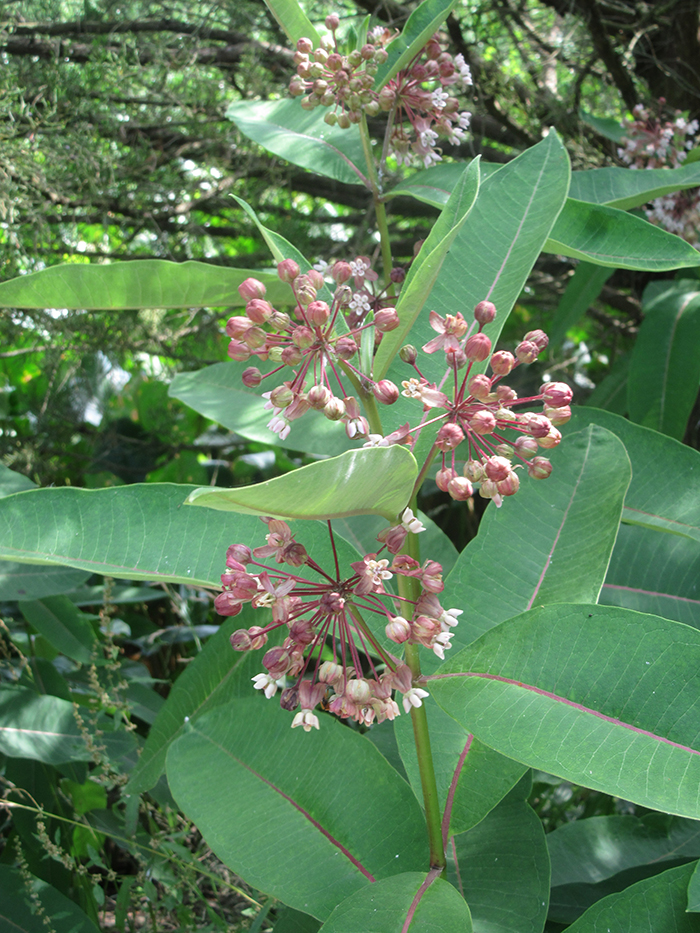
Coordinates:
409 587
379 208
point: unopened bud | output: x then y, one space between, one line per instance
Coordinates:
510 485
474 470
497 468
251 288
397 275
551 439
332 21
408 354
386 319
281 396
502 362
318 396
480 387
334 409
539 468
358 691
345 348
289 698
460 489
385 392
443 478
526 446
238 351
318 313
527 352
449 436
240 553
252 377
287 270
341 272
477 348
483 422
290 356
558 415
556 394
538 337
398 630
485 312
258 311
303 337
305 46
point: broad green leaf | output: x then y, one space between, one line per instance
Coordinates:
671 505
420 26
293 21
501 867
592 850
425 269
62 625
582 290
40 727
493 252
611 393
549 543
606 126
13 482
471 778
16 915
378 480
656 905
20 581
412 900
608 236
626 188
656 573
294 921
694 891
303 138
602 697
140 283
664 371
137 532
435 185
218 393
287 829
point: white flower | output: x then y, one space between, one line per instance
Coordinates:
439 98
411 388
359 302
441 644
266 683
427 137
375 440
321 266
359 266
449 618
431 158
377 568
464 70
411 523
307 719
414 697
279 425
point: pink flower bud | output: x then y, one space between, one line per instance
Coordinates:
291 356
385 392
537 425
477 348
474 470
480 387
497 468
385 320
277 661
341 272
316 279
506 394
226 604
238 351
318 396
345 348
239 553
334 409
280 320
258 311
240 640
318 313
539 468
556 394
303 337
289 698
443 478
483 422
526 446
538 337
251 288
255 338
397 275
424 628
305 45
252 377
460 488
551 439
527 352
485 312
398 630
358 691
558 415
510 485
449 436
332 21
408 354
330 672
295 555
502 362
281 396
237 326
287 270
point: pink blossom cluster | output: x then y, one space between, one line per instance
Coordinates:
652 142
480 410
416 95
318 341
327 654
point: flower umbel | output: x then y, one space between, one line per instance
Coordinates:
329 654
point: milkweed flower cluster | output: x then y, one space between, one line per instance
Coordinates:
317 341
481 409
328 653
420 95
651 142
